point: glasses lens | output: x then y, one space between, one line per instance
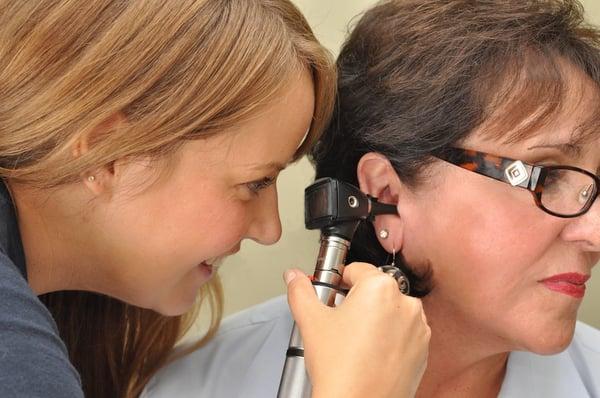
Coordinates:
567 192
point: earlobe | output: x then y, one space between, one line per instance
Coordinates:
393 228
88 179
389 233
93 183
97 180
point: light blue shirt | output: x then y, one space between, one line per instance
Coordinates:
246 357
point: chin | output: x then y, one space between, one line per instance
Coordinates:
178 300
550 340
166 304
178 308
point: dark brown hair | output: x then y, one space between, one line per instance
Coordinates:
418 76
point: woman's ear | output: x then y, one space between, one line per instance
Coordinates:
100 179
377 178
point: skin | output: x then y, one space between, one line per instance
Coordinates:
127 237
489 247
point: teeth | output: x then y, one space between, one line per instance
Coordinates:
213 262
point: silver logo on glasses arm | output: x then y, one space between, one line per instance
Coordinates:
516 173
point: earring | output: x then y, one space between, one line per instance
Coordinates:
383 234
397 274
91 178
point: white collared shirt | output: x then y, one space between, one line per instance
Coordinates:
246 357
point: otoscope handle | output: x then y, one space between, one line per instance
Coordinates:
327 278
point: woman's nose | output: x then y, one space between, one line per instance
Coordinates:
585 229
265 227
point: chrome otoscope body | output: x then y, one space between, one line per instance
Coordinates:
336 208
327 278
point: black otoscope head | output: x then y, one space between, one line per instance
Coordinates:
336 207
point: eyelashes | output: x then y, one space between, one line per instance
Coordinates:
256 186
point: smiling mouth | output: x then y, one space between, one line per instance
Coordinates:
208 269
214 263
572 284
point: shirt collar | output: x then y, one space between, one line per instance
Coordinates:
551 376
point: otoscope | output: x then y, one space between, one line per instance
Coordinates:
336 208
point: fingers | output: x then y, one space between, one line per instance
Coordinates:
358 271
302 298
369 280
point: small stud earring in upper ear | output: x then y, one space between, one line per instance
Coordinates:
91 178
383 234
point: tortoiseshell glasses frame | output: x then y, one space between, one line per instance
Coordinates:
562 191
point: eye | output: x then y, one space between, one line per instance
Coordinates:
256 186
554 178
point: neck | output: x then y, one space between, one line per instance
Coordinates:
50 241
460 363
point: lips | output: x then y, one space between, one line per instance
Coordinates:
572 284
206 268
215 262
210 261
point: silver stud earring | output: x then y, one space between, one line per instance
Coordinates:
397 274
91 178
383 234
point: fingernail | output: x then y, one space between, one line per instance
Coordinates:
288 276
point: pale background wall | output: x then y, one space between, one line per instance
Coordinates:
254 275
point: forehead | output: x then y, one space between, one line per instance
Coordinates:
552 101
278 130
271 136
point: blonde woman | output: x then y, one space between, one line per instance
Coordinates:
140 142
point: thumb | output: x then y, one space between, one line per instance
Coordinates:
302 297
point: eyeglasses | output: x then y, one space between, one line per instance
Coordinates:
562 191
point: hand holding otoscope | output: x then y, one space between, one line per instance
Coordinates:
374 343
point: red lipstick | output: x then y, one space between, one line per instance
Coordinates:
571 284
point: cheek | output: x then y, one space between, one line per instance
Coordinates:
177 229
207 224
224 227
488 251
167 252
479 241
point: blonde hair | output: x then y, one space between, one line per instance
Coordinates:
177 70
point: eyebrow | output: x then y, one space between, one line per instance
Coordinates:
569 149
269 166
